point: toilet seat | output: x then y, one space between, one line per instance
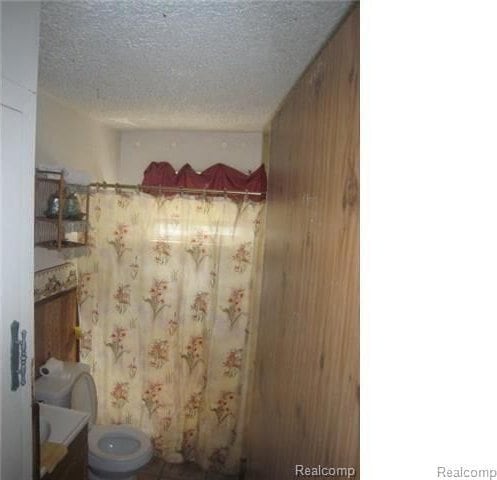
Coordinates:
103 438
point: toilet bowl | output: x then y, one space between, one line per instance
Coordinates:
114 451
117 451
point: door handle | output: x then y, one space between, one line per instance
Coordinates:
18 356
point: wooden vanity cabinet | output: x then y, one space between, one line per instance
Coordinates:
74 465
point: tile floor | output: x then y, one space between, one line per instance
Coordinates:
157 469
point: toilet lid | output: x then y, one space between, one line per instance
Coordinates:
84 396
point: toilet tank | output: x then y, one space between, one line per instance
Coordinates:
55 389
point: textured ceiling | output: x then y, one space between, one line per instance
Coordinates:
180 64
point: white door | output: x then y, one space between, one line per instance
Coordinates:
19 61
16 261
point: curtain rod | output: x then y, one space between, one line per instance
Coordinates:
119 186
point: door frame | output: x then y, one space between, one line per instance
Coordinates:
21 100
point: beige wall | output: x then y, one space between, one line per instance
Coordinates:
44 258
305 407
201 149
69 138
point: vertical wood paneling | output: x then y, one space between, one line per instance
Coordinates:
306 391
55 319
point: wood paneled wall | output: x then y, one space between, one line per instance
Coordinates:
55 319
305 406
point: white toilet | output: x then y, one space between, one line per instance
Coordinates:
114 451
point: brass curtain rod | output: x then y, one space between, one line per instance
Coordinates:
207 191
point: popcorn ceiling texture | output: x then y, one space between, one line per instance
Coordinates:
180 64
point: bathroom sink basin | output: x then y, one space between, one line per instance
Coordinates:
65 424
45 429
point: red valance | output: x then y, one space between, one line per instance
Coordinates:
217 177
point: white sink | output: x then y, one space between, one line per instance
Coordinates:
45 429
65 424
60 425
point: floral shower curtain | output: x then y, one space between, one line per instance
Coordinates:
168 299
